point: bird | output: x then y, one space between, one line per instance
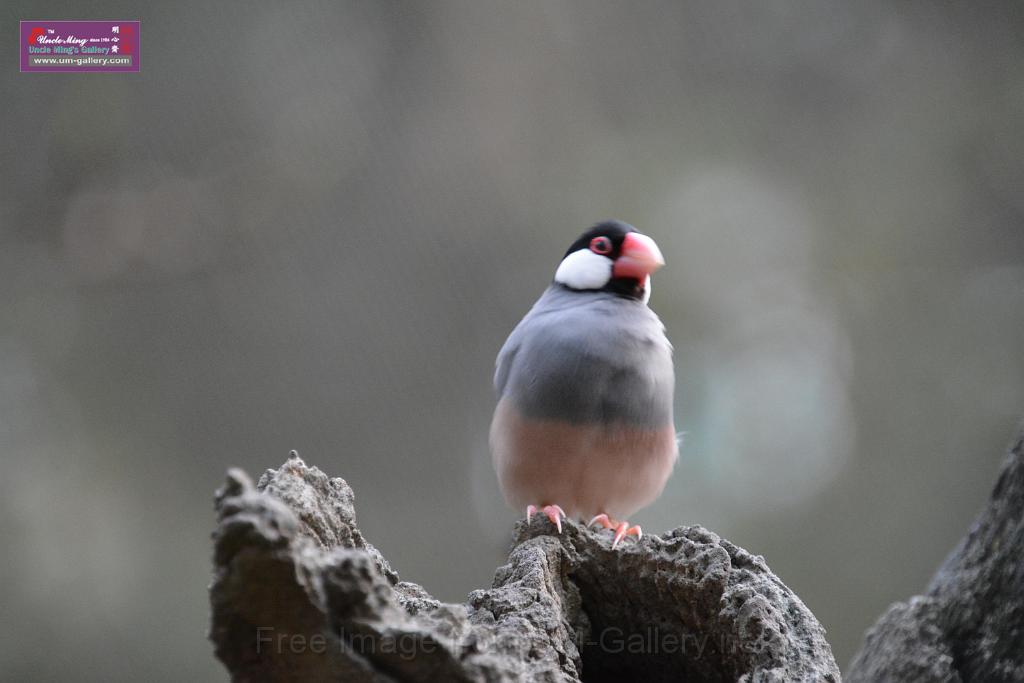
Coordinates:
584 424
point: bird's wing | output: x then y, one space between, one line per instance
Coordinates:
503 364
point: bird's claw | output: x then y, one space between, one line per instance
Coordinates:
553 513
622 529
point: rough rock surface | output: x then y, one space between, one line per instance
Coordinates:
969 625
298 595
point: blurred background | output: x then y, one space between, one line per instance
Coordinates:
313 226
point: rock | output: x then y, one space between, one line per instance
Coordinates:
299 594
969 625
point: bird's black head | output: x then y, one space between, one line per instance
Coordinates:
615 231
611 256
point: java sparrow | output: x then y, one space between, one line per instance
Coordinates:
584 422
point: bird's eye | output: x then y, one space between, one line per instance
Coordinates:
601 245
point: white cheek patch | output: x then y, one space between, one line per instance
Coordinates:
647 289
584 269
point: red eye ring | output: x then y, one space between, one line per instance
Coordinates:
601 245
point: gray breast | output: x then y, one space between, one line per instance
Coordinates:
589 357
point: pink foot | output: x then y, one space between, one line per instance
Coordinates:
622 529
553 512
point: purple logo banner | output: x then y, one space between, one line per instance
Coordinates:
80 45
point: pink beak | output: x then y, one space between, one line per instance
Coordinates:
639 258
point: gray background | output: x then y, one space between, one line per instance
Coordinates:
312 227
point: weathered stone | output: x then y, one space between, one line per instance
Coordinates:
299 594
969 625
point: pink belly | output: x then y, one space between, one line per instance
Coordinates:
587 469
